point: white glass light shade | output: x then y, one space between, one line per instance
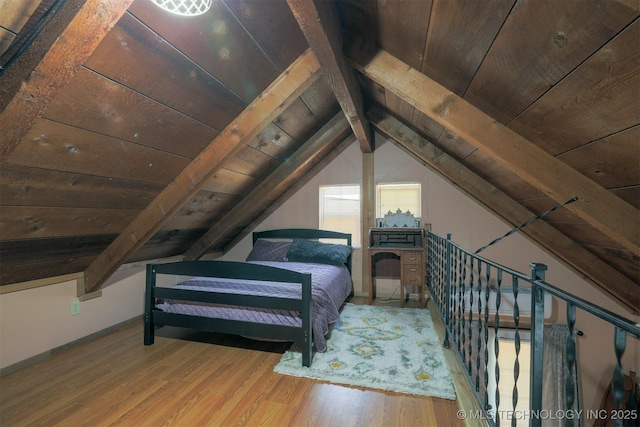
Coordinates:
184 7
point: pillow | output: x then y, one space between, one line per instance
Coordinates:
266 250
321 253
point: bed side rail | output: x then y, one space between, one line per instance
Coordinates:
277 303
224 326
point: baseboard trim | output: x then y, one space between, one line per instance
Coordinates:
57 350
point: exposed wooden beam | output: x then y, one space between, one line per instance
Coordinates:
265 193
331 155
596 205
320 24
265 108
585 263
368 212
77 42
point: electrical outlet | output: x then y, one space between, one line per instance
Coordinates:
75 307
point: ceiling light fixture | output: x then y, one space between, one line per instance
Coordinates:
184 7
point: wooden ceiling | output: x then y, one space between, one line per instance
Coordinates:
130 134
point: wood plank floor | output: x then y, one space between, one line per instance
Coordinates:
116 380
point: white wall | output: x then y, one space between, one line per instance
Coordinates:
35 321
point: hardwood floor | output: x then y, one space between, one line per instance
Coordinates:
116 380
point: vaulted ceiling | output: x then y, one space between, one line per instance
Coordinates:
130 134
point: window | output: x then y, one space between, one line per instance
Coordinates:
403 196
340 210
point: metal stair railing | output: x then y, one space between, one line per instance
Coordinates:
469 292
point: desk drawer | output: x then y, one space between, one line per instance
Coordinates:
412 268
412 257
412 274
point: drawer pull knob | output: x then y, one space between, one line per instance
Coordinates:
413 258
413 269
413 279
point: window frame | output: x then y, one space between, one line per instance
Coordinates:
380 212
357 218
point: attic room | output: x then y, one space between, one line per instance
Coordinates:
131 136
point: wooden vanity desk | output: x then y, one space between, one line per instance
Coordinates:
398 253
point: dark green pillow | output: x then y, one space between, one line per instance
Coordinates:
317 252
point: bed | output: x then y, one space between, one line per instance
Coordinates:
290 288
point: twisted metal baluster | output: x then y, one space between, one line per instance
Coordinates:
470 316
569 391
479 338
453 295
516 363
433 267
485 328
462 306
620 343
447 293
459 315
429 266
437 278
496 346
443 272
441 249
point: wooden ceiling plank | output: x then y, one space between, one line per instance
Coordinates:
408 46
77 42
537 47
271 23
399 108
579 259
298 121
471 27
229 182
299 183
210 204
26 186
273 186
320 99
608 213
144 59
252 162
321 26
56 146
125 114
611 161
33 222
560 121
265 108
273 141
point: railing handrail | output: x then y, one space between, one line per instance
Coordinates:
613 318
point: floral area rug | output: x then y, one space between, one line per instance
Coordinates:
386 348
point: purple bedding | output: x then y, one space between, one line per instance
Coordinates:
331 285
